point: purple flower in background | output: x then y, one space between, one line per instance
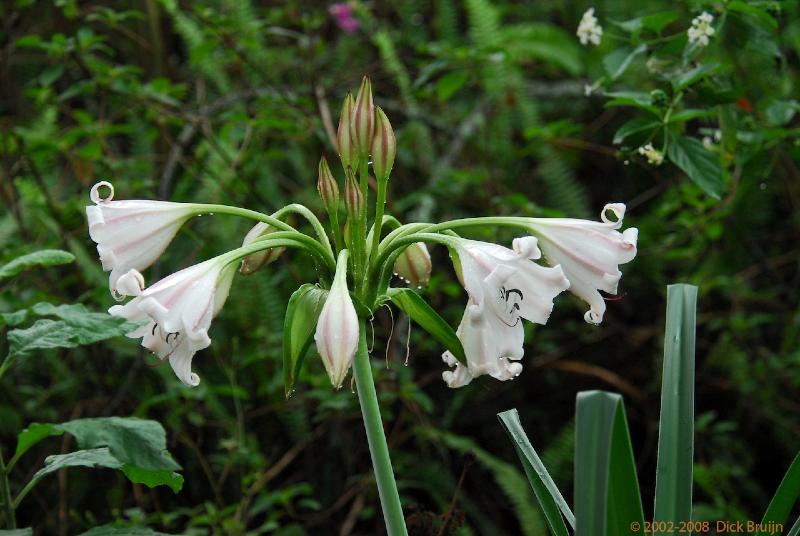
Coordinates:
343 15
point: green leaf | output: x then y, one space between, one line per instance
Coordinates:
138 442
785 498
658 21
122 531
448 84
550 499
299 326
701 165
32 435
45 257
689 114
607 499
795 530
637 99
420 312
780 112
542 41
152 478
686 79
80 458
17 532
618 61
634 126
758 14
673 501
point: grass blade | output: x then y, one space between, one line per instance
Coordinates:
607 499
673 500
550 499
785 497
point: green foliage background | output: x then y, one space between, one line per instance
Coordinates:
228 102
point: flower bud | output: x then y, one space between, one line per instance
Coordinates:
255 261
327 187
384 146
362 124
353 198
337 328
348 153
414 265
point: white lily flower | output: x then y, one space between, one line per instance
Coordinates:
179 310
589 252
491 347
131 234
337 328
513 286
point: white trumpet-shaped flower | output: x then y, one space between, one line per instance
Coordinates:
491 347
504 286
508 280
589 252
177 311
131 234
337 327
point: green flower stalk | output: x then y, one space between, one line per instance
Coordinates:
504 286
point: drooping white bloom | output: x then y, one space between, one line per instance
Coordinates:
508 281
337 328
653 155
589 252
504 286
589 31
178 311
131 234
701 29
491 347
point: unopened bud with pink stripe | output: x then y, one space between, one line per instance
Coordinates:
255 261
362 125
353 197
348 153
337 328
384 146
414 265
327 187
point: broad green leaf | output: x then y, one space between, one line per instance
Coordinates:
618 61
420 312
17 532
658 21
632 26
449 84
686 79
757 13
550 499
80 458
138 442
152 478
673 501
607 496
785 498
780 112
795 530
701 165
542 41
45 257
122 531
32 435
299 326
688 115
637 99
634 126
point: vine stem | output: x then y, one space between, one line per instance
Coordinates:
378 449
5 495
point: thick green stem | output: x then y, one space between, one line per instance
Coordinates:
5 496
378 449
377 226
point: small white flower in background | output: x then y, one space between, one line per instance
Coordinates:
653 155
131 234
701 29
178 311
491 346
504 286
589 253
337 328
708 143
588 29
